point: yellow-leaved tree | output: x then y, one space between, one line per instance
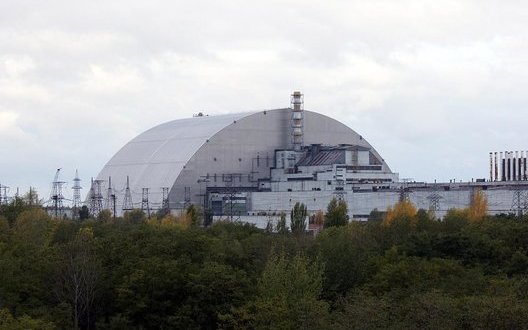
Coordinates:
478 208
403 210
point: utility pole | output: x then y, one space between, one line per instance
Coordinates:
114 205
165 199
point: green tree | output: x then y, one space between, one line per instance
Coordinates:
336 213
287 298
84 213
105 215
135 216
282 228
78 274
298 218
195 214
8 322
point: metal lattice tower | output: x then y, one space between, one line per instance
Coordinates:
3 194
127 201
76 195
145 207
520 201
165 198
109 194
56 194
405 191
96 197
434 201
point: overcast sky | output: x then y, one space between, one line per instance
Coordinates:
434 85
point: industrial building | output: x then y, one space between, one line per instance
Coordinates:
253 166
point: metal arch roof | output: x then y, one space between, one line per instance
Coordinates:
156 157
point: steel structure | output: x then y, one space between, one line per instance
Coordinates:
76 202
180 154
56 196
96 197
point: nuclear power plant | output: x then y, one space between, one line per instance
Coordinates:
253 166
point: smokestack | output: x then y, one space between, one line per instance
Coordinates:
491 166
496 168
501 170
297 120
525 155
510 165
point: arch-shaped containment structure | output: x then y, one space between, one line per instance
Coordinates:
235 150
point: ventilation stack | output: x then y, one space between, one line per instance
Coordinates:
297 118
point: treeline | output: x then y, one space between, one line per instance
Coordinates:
406 270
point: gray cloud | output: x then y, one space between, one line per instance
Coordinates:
433 85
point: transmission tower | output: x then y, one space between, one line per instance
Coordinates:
109 194
404 194
127 202
145 201
434 201
3 194
165 198
76 195
520 201
405 191
96 197
56 194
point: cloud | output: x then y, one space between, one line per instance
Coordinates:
111 81
433 85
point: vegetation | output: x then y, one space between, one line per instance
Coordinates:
404 269
336 213
298 218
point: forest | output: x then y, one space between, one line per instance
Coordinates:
402 269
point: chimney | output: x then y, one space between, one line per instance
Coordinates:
297 119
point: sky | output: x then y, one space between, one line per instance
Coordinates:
433 85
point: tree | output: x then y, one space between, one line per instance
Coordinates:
105 216
478 208
403 211
135 216
282 228
288 292
8 322
336 213
298 218
78 274
195 214
84 213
